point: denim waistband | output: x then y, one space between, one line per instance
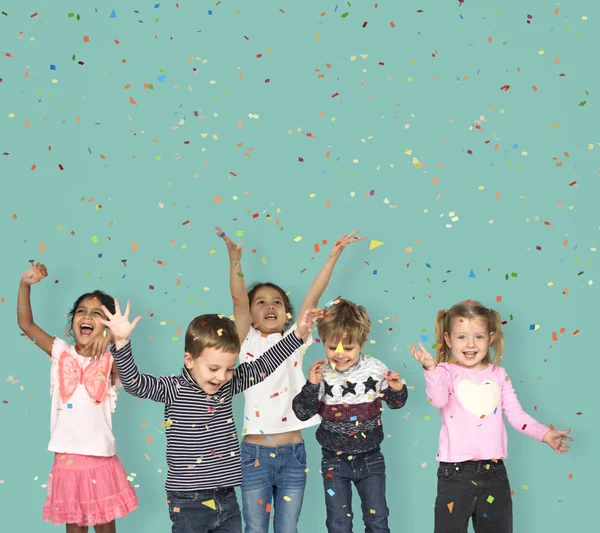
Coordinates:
331 454
478 466
258 448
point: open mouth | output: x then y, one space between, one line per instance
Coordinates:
213 385
470 355
86 329
270 316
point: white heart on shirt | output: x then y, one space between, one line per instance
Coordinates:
480 399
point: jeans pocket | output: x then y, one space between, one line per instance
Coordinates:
330 467
248 458
446 473
181 500
500 471
375 464
300 455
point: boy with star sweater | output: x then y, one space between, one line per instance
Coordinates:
347 391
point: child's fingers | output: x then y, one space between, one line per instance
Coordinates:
127 309
117 307
108 314
135 321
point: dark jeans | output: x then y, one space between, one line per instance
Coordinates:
367 472
477 490
192 511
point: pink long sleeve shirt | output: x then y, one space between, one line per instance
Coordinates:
471 405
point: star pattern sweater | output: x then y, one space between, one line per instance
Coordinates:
349 403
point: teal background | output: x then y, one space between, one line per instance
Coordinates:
129 177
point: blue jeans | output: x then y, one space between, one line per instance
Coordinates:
273 474
473 490
191 511
367 472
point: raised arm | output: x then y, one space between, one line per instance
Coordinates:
306 403
237 285
322 280
24 312
162 389
438 380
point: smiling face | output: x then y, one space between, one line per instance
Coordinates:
267 310
342 356
85 325
469 341
212 369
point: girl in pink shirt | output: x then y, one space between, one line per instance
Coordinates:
471 390
87 485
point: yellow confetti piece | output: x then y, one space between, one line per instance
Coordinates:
287 498
524 487
372 511
375 244
211 504
298 239
340 348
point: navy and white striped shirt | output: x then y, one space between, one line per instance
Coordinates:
202 443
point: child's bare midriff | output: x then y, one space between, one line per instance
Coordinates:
277 439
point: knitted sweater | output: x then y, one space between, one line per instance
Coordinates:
349 403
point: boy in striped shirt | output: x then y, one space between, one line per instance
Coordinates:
203 452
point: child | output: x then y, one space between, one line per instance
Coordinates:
202 448
273 453
471 390
347 391
87 485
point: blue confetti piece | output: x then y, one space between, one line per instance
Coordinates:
210 11
161 78
427 265
69 406
424 338
113 15
352 418
374 272
123 276
100 256
52 67
330 492
531 327
156 6
472 274
484 515
495 410
515 146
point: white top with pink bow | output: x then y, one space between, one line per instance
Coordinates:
82 402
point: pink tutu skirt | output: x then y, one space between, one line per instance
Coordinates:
87 490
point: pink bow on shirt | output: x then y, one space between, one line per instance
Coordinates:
94 378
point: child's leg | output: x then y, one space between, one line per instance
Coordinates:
493 513
289 491
456 498
192 512
74 528
337 481
257 487
229 519
369 470
111 527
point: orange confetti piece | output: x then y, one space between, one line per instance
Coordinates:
217 199
86 39
268 508
392 24
554 336
149 439
134 247
27 123
435 180
498 298
132 100
570 476
556 60
42 247
450 506
317 249
328 203
14 216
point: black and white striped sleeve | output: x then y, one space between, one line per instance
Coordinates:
161 389
248 374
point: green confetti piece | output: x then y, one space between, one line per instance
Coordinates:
490 499
239 233
524 487
95 239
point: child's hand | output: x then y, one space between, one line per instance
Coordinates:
423 356
98 347
34 275
554 438
305 324
344 241
119 324
315 372
393 379
234 250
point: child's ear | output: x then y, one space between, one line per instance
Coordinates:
447 339
188 360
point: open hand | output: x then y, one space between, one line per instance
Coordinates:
393 379
423 356
315 372
555 437
118 323
34 275
306 322
234 250
344 241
